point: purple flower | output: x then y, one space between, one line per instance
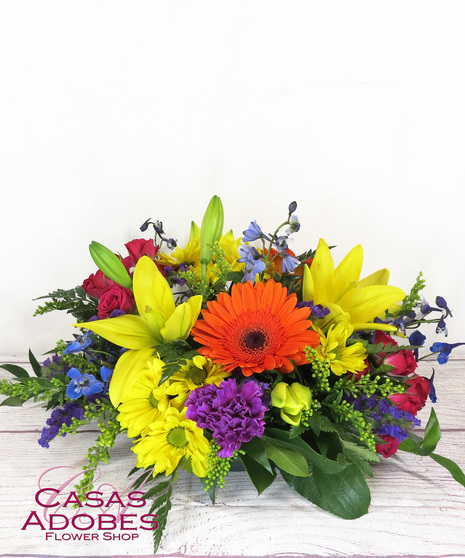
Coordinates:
317 310
253 262
59 418
254 232
234 413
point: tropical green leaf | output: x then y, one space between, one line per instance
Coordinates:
12 402
286 459
451 466
432 434
36 367
17 371
254 449
345 494
260 476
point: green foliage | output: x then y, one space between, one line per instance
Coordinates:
161 507
413 298
174 355
105 414
74 301
217 467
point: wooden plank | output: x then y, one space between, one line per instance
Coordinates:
417 508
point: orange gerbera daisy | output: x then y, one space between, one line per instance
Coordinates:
257 328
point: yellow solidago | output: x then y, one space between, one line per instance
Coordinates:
168 440
333 348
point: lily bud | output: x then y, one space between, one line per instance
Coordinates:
109 264
292 400
211 229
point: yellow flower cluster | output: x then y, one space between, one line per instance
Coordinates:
156 412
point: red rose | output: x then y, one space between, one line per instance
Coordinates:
384 338
415 396
115 298
403 361
96 283
389 448
137 248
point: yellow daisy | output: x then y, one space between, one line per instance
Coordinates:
333 347
145 401
197 372
168 440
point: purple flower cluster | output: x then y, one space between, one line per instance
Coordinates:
318 312
392 421
60 417
235 413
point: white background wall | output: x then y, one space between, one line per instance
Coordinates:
113 112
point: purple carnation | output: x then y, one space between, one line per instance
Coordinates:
59 418
235 413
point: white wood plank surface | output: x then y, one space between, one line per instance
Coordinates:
417 509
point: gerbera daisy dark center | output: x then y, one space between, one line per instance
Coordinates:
255 340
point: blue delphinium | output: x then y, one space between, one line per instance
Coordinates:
82 384
79 344
60 417
444 350
253 262
254 232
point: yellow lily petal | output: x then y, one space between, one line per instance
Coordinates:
348 272
380 277
179 324
322 270
128 368
154 299
374 325
128 331
195 231
308 289
364 305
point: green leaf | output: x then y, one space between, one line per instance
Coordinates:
345 494
211 490
161 506
260 476
12 402
286 459
451 466
17 371
297 444
432 434
254 449
36 367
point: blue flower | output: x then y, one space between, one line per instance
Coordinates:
254 232
417 339
60 417
444 350
82 384
294 225
292 207
80 343
432 389
289 262
252 260
443 304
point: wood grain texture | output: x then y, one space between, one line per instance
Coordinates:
417 509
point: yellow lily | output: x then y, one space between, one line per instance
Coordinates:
159 321
348 298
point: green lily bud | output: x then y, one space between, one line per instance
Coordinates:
211 229
292 400
110 265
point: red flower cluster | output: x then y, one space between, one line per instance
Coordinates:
110 295
413 398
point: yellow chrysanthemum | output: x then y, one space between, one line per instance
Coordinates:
190 255
197 372
333 347
168 440
349 298
146 401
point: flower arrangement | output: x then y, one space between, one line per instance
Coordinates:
236 350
